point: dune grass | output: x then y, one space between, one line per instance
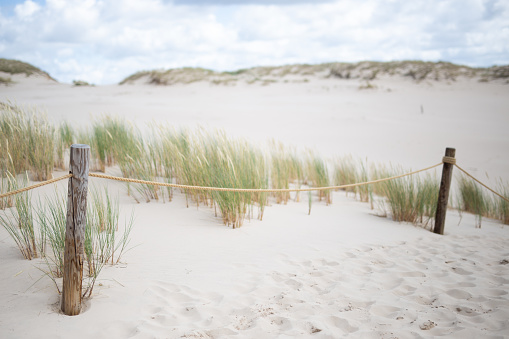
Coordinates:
64 138
18 221
345 172
26 142
5 186
473 199
318 176
201 158
502 206
286 168
19 67
103 245
52 218
41 148
6 81
411 199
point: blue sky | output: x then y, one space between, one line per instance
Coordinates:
103 41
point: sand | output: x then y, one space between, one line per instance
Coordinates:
342 271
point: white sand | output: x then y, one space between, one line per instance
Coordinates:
342 271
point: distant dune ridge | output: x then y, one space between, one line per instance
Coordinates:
16 67
365 70
264 75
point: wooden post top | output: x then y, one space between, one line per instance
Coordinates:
80 146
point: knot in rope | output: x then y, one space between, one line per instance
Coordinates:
449 160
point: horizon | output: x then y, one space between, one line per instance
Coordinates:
101 43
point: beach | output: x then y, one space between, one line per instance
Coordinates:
344 270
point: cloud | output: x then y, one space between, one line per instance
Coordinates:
103 41
26 9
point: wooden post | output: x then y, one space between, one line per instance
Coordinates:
443 194
74 254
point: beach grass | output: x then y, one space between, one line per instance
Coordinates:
412 199
473 199
18 221
211 159
286 168
26 142
502 206
6 185
52 218
345 172
318 176
6 81
64 138
103 243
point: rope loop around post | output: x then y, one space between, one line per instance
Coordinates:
449 160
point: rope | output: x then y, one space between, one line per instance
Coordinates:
449 160
471 176
28 188
253 190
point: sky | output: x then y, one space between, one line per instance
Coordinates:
104 41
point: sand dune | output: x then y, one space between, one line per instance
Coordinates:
340 272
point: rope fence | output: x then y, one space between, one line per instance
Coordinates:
448 160
470 175
257 190
28 188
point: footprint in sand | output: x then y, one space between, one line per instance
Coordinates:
422 299
459 294
404 290
316 273
293 283
386 311
282 323
390 283
349 255
461 271
342 324
278 277
412 274
467 311
494 292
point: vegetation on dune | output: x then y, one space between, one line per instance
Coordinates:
201 158
39 231
366 71
6 81
412 199
19 220
286 168
78 83
19 67
475 199
26 142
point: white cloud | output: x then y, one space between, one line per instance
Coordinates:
102 41
25 10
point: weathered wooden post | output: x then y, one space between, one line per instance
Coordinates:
445 186
74 254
